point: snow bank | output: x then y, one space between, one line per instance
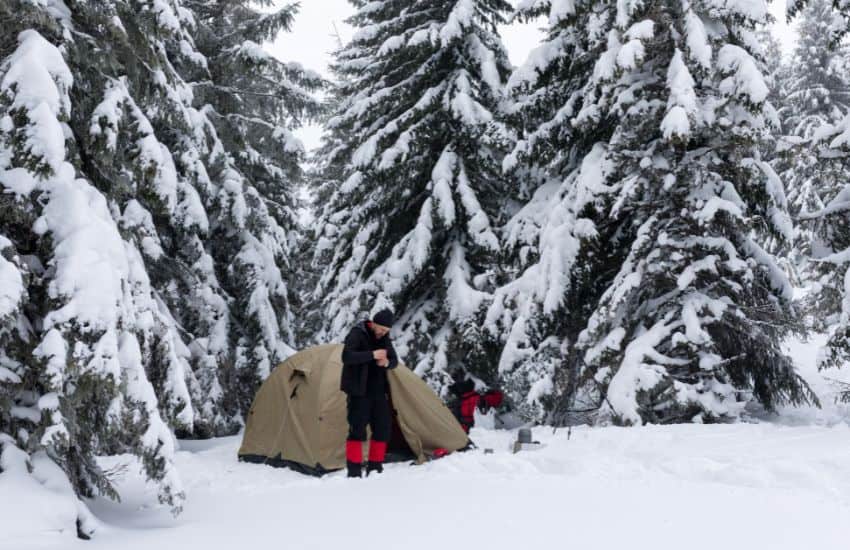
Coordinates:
38 502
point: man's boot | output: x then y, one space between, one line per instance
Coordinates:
377 451
354 469
376 467
354 457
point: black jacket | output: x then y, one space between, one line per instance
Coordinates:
357 359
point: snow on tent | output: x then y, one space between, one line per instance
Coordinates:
298 418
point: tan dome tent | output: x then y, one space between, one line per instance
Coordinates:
298 418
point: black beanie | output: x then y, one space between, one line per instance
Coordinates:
383 317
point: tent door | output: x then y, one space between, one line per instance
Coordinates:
398 449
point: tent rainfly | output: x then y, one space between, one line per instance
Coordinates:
298 418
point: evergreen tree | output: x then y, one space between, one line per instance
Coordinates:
253 102
827 298
326 172
207 237
553 275
78 308
777 149
413 157
840 26
817 93
774 68
830 150
690 328
688 323
141 226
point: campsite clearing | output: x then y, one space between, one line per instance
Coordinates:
769 486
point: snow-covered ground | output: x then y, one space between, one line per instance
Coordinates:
765 485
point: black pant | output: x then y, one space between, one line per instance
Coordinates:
373 410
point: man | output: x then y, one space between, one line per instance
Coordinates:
366 356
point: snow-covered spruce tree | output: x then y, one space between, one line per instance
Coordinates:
191 159
143 146
554 273
415 162
817 93
830 249
818 87
325 173
777 149
77 302
830 142
841 23
120 203
691 325
774 68
140 145
253 102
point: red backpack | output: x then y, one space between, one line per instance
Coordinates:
493 398
472 399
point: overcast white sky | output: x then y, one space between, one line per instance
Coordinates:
313 38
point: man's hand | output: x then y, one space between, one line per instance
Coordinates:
380 355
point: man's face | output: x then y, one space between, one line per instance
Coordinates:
379 330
